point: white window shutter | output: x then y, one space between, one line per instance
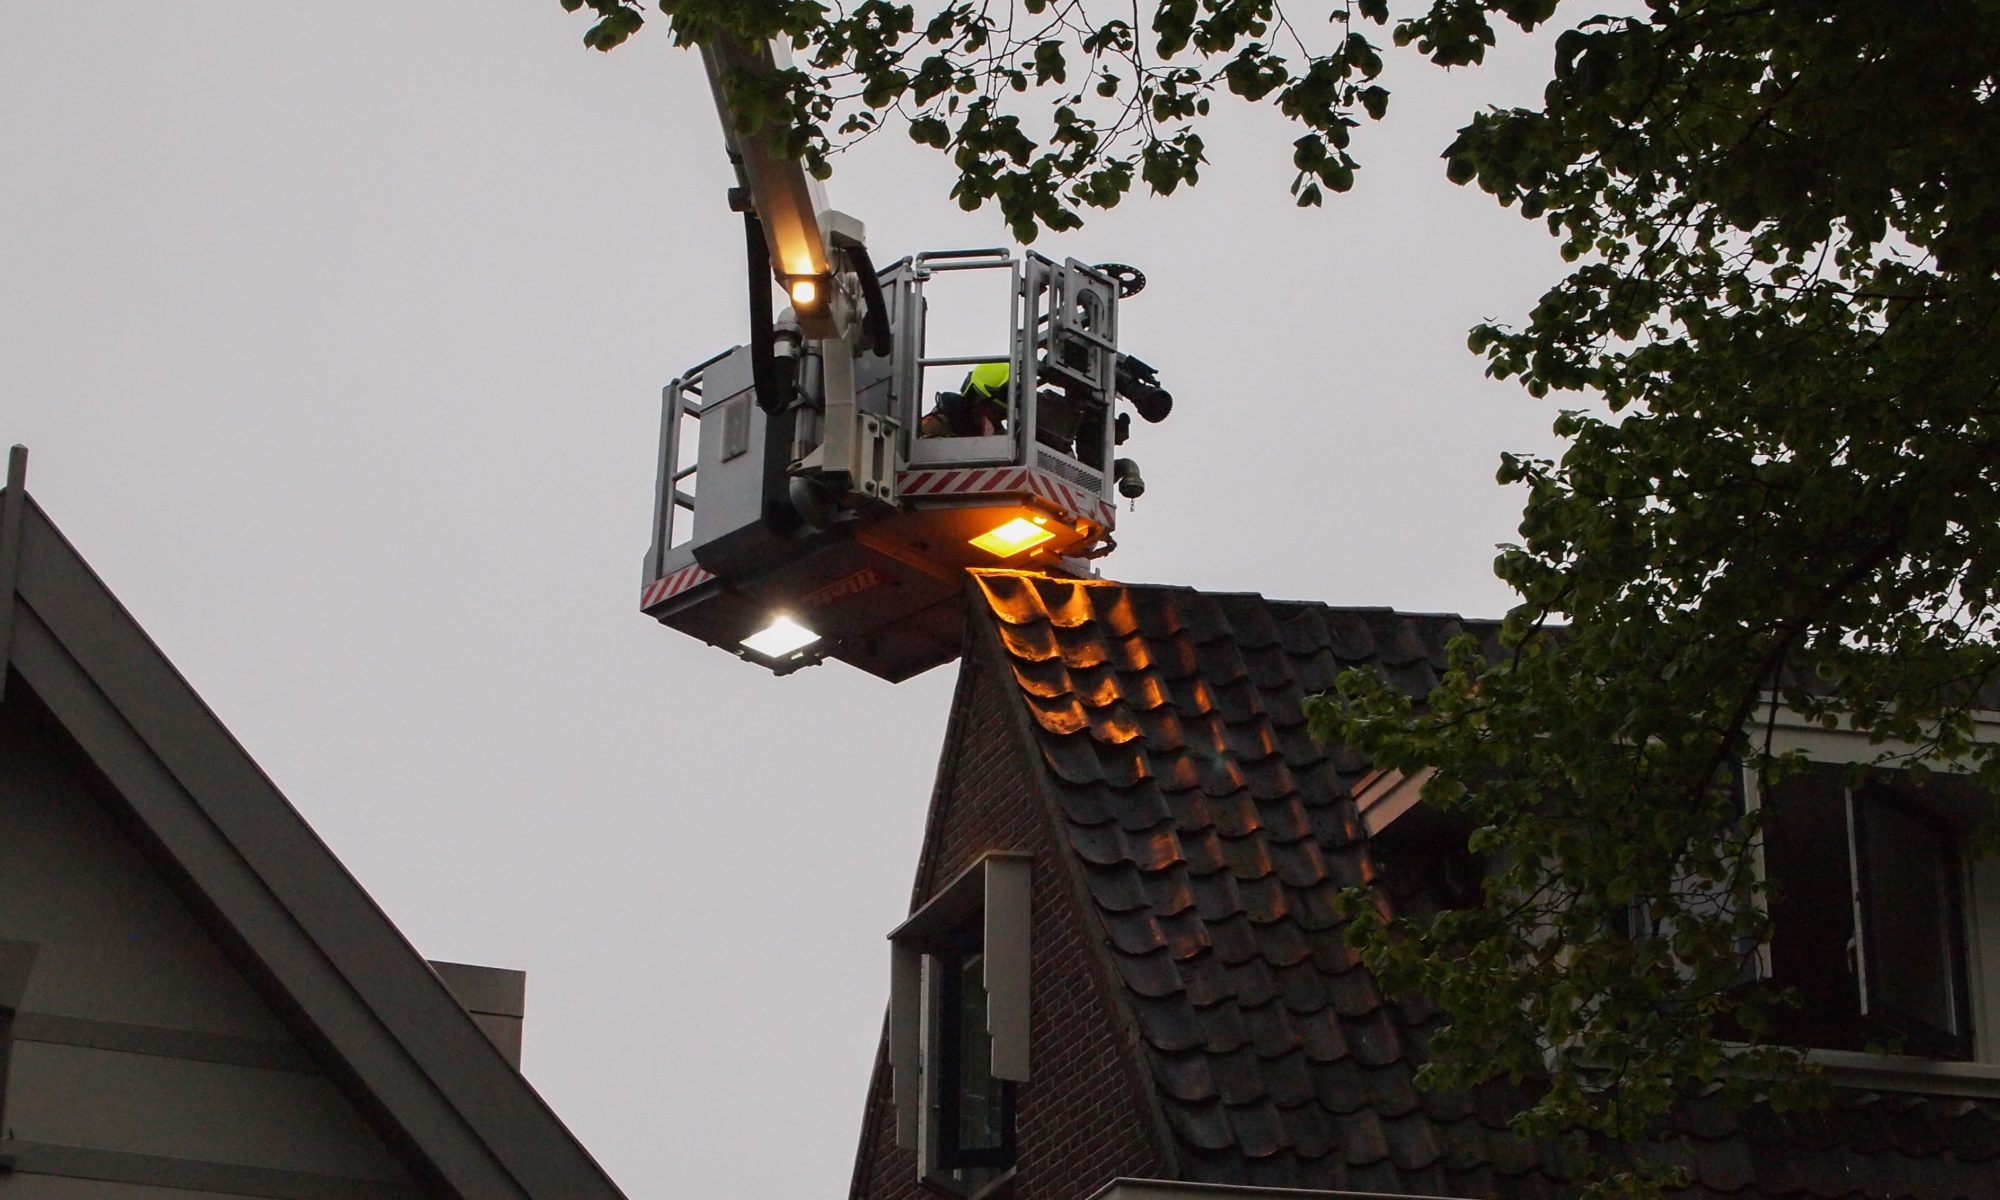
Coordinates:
1007 891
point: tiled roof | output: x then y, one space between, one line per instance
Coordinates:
1211 834
1867 1145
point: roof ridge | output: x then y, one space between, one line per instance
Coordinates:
1029 575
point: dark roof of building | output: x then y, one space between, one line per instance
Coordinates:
1212 832
382 1020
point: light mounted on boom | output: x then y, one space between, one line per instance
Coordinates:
808 292
802 234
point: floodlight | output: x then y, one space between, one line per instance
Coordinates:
1014 536
781 637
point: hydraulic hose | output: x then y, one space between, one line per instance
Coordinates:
763 362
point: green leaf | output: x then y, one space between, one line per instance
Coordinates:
1049 65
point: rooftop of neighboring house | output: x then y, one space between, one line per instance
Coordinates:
196 996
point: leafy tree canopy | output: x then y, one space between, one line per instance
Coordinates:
1781 325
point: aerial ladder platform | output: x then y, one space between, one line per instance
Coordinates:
818 496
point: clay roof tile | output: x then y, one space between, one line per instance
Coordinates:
1259 1129
1169 1024
1184 1077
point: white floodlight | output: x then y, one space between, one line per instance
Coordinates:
781 637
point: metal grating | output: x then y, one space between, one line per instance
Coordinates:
1062 468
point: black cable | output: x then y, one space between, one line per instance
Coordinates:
875 321
763 360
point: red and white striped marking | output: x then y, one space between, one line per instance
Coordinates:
962 481
977 481
673 584
1073 499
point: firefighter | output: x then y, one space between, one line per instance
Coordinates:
978 407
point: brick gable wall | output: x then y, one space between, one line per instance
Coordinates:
1083 1119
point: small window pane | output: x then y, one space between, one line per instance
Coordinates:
975 1110
1812 910
1908 863
981 1124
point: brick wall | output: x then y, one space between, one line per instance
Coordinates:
1081 1118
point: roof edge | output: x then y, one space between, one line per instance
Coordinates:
13 514
982 630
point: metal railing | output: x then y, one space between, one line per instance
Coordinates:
680 400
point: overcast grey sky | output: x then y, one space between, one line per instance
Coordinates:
337 333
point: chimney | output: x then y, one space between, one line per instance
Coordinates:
496 999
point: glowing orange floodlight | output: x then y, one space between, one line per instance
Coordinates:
1005 541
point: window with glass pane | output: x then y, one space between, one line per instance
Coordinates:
1812 910
1913 930
975 1110
1867 916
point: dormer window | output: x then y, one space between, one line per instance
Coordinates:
958 1025
1422 851
1876 908
1869 910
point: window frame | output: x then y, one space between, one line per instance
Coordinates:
947 1079
1944 1044
1975 899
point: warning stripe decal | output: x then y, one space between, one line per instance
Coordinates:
969 480
673 584
973 481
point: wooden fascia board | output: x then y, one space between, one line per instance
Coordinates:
13 514
1387 794
952 903
366 991
985 639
